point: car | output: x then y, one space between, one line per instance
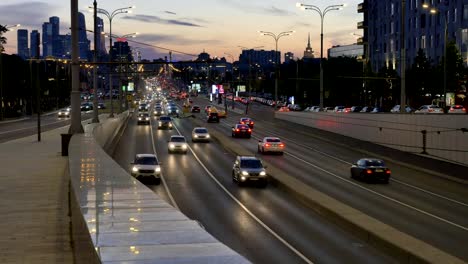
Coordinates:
146 166
177 144
377 110
367 109
356 109
143 107
339 109
241 130
200 134
165 122
429 109
396 109
195 109
284 109
212 117
86 107
370 169
158 111
65 112
457 109
101 106
143 118
246 121
207 109
249 168
328 109
271 145
173 110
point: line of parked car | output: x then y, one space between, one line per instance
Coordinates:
424 109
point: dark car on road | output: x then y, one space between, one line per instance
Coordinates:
240 130
249 168
195 109
143 118
165 122
246 121
369 169
212 117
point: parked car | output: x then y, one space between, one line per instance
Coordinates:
86 107
339 109
271 145
146 166
356 109
457 109
377 110
284 109
429 109
101 106
177 144
369 169
249 168
396 109
367 109
328 109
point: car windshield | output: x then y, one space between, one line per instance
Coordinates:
146 161
143 115
177 139
273 140
242 127
201 130
252 163
375 163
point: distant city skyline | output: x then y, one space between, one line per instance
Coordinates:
193 26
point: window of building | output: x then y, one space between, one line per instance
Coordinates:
423 42
465 12
455 15
423 20
392 9
392 47
392 27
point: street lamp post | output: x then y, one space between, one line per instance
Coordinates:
250 75
95 77
75 125
322 17
110 16
9 28
277 59
232 76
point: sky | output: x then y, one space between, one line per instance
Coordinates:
193 26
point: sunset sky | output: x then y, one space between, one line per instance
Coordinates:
216 26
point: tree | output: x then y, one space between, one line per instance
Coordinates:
420 80
3 39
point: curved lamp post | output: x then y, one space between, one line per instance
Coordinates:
277 59
110 16
322 14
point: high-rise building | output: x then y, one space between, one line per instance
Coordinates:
308 53
262 57
35 44
83 42
23 50
47 41
57 48
101 41
288 57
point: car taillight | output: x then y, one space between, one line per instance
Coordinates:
368 171
388 171
464 109
431 110
250 130
281 145
237 130
267 145
251 123
451 110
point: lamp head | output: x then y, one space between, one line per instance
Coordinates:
299 5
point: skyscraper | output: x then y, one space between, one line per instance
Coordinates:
101 42
23 50
35 42
57 48
47 41
288 57
83 42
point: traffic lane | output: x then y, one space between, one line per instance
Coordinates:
299 225
326 175
136 139
201 199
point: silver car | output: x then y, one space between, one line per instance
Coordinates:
177 144
64 112
429 109
200 134
146 166
271 145
249 168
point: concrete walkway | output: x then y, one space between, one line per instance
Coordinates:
34 201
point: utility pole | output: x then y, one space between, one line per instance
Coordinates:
403 58
75 126
95 77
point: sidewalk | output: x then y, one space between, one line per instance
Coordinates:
34 201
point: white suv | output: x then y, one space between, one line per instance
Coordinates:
146 166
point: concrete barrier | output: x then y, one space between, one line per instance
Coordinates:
443 136
404 248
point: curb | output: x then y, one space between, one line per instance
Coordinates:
404 248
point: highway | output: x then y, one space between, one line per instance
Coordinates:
264 225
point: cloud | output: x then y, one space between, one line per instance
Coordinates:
164 39
277 12
29 14
158 20
258 8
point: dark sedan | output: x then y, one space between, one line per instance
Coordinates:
240 130
195 109
246 121
370 170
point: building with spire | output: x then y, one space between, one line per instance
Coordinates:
308 53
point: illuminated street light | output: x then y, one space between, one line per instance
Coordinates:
277 60
322 17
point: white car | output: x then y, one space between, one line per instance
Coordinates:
429 109
396 109
200 134
177 144
457 109
64 112
146 166
271 144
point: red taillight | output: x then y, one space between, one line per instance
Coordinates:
464 110
281 145
251 122
267 145
250 130
451 110
388 171
369 171
237 130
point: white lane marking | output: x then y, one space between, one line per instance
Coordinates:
381 195
162 176
24 128
392 179
246 209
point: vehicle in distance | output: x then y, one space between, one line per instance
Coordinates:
195 109
212 117
65 112
241 130
173 111
246 121
369 169
271 145
457 109
158 111
177 144
143 107
429 109
143 118
249 168
200 134
86 107
396 109
207 109
284 109
101 106
146 166
165 122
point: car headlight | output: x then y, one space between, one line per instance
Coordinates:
147 119
245 173
177 111
184 146
60 113
160 123
139 119
195 136
207 136
263 173
170 124
158 169
171 146
135 169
